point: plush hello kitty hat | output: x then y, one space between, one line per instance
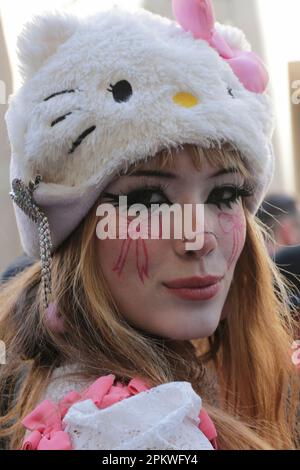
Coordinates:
109 90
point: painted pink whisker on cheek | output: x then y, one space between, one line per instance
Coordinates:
226 222
232 223
141 259
140 248
122 256
234 249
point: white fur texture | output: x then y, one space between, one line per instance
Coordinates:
40 39
159 60
233 36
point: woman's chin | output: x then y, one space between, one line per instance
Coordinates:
185 333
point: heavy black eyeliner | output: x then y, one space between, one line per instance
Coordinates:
244 190
158 189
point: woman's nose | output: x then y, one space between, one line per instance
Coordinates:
182 246
198 236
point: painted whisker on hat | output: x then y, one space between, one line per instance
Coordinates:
81 138
58 94
59 119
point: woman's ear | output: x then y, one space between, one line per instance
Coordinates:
196 16
40 38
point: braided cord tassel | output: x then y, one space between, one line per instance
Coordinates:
22 195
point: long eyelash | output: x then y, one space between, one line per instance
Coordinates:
159 187
244 190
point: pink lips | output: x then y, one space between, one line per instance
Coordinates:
195 288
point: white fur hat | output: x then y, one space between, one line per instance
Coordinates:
106 91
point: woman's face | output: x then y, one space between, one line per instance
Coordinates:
156 282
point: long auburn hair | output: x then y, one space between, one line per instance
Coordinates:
255 403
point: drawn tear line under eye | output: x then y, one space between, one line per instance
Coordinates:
79 139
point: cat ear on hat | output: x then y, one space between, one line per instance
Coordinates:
40 39
196 16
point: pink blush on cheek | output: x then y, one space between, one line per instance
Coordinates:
233 226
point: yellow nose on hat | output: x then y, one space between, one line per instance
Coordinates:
186 100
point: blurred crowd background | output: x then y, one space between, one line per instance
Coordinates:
270 26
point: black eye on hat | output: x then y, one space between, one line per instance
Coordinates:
122 91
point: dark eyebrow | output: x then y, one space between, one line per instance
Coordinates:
225 171
155 173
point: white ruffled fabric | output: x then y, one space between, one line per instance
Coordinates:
164 417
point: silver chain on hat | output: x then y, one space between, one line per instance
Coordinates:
22 195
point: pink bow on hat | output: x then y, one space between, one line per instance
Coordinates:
197 16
